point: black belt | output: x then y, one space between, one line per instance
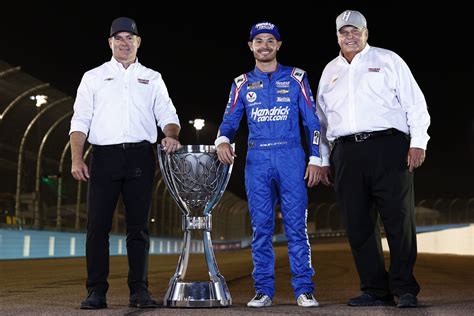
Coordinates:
124 145
363 136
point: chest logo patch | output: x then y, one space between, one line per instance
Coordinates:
375 69
283 99
255 85
251 96
283 84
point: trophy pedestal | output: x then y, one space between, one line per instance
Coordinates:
197 294
200 294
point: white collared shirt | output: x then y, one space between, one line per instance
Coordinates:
116 105
376 91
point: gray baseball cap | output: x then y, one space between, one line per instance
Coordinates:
351 17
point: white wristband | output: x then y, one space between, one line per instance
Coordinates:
221 139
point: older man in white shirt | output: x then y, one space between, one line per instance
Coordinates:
374 118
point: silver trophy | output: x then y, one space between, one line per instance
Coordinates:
197 180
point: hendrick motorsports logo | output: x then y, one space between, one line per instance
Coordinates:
264 26
274 114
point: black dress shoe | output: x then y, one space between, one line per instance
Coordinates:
407 300
367 299
142 299
94 300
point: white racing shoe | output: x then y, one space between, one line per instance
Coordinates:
307 300
260 300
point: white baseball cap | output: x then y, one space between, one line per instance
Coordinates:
350 17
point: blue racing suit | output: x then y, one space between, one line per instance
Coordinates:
276 165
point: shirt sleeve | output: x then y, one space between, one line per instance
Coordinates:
83 106
163 108
310 120
413 102
324 143
233 114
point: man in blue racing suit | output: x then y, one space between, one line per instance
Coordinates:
274 97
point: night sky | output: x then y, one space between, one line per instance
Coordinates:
199 52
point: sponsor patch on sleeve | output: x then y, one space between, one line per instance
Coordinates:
298 74
316 136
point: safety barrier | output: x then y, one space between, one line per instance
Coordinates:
28 244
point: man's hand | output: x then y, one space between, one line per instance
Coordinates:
416 157
226 153
79 170
313 174
326 177
170 144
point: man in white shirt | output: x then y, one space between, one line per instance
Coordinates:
374 117
117 108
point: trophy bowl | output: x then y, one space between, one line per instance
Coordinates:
196 180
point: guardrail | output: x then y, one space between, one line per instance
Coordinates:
29 244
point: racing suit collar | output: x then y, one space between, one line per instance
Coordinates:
265 75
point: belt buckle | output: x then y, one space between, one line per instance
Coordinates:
124 145
360 137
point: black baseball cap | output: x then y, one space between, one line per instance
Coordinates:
123 24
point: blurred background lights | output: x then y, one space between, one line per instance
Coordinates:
40 99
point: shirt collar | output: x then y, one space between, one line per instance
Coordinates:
119 66
357 56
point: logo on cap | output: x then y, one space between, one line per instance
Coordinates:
351 17
264 27
123 24
346 15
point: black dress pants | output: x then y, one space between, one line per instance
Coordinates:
116 171
371 179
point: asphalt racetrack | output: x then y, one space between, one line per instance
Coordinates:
57 286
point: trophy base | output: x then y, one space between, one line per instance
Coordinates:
197 294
